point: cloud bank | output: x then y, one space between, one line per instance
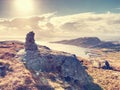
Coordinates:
51 27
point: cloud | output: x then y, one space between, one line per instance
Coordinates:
18 27
51 27
89 24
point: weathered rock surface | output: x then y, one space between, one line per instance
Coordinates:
46 60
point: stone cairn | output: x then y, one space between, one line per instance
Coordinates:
30 42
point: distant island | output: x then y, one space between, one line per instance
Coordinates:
90 42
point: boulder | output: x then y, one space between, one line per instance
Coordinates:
2 70
107 65
104 64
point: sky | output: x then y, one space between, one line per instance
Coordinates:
61 19
62 7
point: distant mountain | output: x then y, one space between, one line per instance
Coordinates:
89 42
82 42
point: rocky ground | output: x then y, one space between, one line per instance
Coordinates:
19 78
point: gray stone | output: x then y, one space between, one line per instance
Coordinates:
4 68
30 42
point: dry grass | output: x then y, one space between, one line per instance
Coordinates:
107 79
18 78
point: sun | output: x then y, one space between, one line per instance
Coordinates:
24 6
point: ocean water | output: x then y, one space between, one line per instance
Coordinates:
78 51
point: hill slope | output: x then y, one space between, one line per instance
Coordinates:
89 42
82 42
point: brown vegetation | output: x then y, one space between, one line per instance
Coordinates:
107 79
22 79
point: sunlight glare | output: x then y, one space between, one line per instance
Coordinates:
24 6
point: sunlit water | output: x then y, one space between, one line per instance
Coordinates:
66 48
78 51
